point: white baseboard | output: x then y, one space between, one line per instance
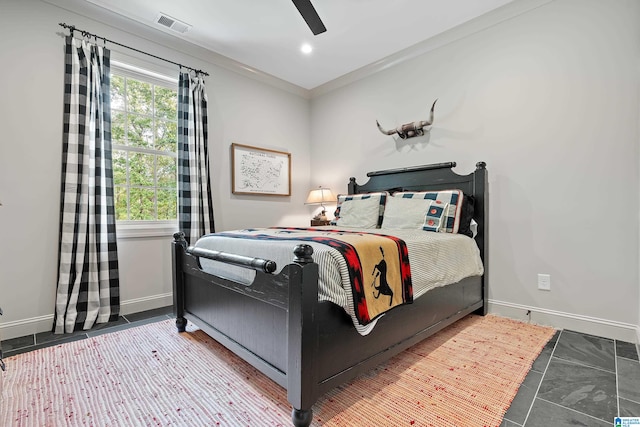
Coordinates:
561 320
34 325
557 319
23 327
147 303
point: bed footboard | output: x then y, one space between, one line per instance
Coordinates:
270 323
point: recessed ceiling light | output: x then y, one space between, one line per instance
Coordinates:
306 48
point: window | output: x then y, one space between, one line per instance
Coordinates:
144 133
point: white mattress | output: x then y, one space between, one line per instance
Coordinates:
436 259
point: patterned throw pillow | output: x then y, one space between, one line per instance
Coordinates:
433 218
376 215
405 213
452 213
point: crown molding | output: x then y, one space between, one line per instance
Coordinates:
188 49
467 29
151 37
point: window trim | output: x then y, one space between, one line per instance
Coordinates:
132 71
128 229
138 229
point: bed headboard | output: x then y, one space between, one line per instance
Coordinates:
439 176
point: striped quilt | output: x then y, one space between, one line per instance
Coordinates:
437 259
378 265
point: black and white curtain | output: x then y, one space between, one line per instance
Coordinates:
195 207
88 283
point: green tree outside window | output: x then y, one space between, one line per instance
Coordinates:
144 132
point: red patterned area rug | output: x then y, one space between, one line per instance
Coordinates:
466 375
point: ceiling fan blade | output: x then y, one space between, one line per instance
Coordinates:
310 15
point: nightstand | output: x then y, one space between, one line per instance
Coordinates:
318 222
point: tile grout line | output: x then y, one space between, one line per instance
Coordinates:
590 335
637 346
631 400
535 396
573 410
584 365
33 336
615 361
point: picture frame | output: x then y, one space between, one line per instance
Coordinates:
260 171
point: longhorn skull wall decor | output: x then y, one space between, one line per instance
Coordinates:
409 130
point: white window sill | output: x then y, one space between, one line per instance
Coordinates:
141 229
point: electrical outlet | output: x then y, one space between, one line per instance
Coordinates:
544 282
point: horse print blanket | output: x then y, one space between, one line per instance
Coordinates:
378 265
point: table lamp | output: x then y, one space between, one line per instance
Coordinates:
320 196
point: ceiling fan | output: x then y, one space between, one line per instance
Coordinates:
310 15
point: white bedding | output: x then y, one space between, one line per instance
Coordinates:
436 259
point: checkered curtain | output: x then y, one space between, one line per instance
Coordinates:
88 284
195 207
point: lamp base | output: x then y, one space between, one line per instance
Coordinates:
321 216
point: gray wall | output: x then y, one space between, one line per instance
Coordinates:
241 109
549 99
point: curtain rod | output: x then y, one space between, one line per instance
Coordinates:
72 29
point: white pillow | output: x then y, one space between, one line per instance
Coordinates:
361 213
381 196
405 213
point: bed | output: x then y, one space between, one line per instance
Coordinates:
307 345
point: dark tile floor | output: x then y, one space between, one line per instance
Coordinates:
578 379
14 346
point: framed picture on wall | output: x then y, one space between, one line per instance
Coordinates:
260 171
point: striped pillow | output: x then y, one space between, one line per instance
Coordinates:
375 216
452 213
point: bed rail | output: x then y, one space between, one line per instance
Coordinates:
258 264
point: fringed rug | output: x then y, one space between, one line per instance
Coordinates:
466 375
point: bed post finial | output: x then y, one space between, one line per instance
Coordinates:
481 165
352 187
179 239
303 254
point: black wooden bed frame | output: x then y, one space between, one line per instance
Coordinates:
309 347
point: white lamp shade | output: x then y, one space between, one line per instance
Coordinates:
320 196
